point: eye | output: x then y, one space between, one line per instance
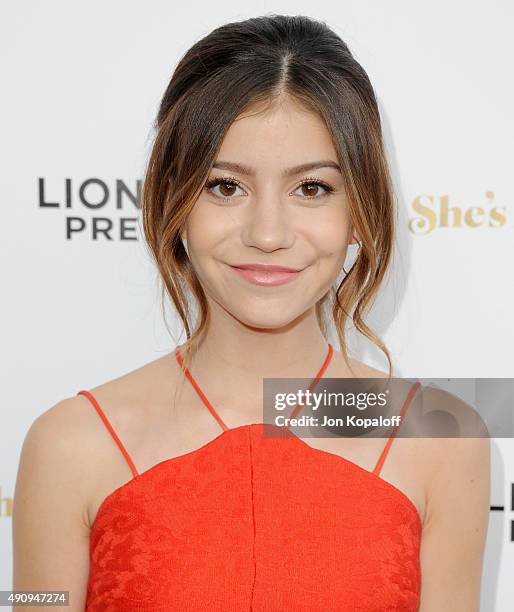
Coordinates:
313 189
227 184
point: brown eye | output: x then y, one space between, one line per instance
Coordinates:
309 189
227 189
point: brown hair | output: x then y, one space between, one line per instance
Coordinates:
233 68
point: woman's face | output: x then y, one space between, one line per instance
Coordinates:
261 213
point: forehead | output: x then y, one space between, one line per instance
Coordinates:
277 136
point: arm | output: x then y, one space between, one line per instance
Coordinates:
454 533
50 531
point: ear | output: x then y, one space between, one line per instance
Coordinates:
354 239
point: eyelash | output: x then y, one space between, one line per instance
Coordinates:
231 180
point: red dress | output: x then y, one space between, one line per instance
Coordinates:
248 522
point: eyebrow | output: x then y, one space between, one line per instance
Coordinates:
247 171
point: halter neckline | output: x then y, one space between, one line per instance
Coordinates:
211 408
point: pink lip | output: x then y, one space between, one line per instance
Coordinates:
266 267
267 275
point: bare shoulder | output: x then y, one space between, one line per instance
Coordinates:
54 445
131 403
72 426
71 442
132 399
135 405
456 439
59 450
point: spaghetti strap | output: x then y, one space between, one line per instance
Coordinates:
92 399
406 404
199 391
211 407
316 379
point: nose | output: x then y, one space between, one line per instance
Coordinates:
268 225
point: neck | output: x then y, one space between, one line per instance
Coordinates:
231 360
239 355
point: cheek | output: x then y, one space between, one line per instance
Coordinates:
206 228
330 235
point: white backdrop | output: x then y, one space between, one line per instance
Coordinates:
81 86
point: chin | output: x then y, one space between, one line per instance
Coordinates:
265 318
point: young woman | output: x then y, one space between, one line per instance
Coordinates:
268 163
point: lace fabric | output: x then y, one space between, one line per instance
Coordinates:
251 522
